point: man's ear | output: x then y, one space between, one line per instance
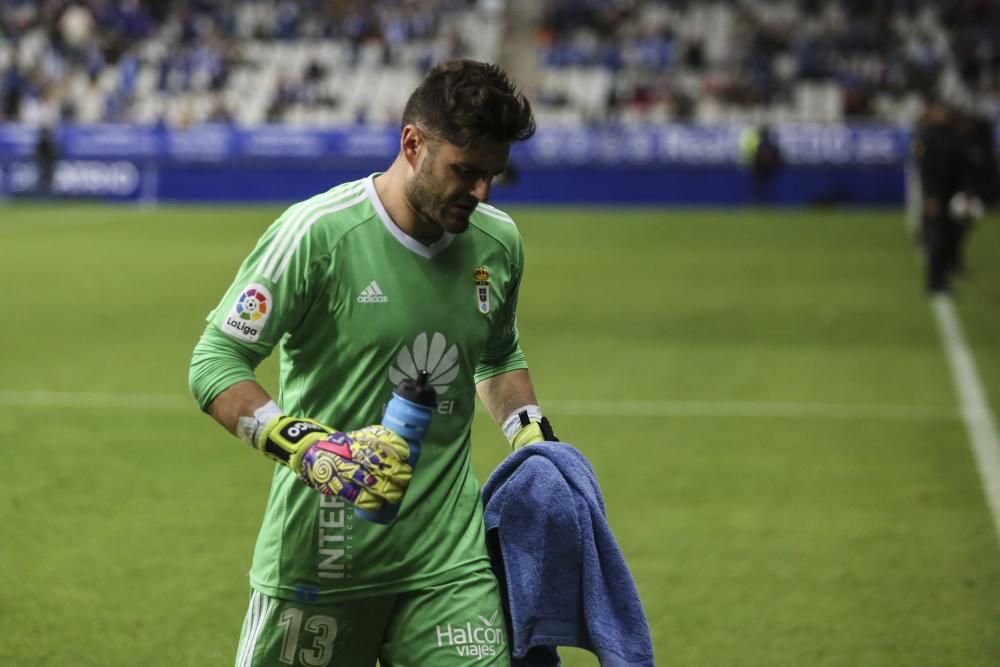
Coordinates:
410 143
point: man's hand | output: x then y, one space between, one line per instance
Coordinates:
532 432
366 467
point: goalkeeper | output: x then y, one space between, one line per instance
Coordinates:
359 288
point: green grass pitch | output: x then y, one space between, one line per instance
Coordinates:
763 395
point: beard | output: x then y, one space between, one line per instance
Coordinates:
432 208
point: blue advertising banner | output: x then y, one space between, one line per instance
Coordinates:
694 145
570 146
672 163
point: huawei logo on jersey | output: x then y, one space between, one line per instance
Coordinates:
435 356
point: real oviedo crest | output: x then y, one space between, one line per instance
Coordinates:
482 278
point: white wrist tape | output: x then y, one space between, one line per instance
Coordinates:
512 424
248 428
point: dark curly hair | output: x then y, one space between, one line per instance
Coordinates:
466 101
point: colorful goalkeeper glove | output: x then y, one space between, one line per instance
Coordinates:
366 467
532 429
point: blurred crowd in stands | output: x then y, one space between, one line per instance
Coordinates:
785 60
319 61
184 61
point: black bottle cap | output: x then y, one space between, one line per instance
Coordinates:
418 391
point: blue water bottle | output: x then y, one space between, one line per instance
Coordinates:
409 414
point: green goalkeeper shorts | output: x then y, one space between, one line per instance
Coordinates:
458 623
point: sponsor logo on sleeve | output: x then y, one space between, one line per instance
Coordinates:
249 313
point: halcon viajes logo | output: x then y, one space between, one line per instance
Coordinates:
481 639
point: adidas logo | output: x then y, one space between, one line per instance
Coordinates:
372 294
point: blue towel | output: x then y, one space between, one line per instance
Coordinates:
567 583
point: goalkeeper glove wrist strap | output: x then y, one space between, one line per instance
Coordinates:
513 424
279 437
526 426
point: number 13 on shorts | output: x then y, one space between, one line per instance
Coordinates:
277 632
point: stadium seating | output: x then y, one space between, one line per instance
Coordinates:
308 63
764 62
320 64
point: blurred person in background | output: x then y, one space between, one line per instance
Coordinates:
13 89
948 204
980 181
763 156
983 174
46 159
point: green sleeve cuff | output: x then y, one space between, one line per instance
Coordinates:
512 362
218 363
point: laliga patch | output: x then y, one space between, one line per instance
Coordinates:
249 314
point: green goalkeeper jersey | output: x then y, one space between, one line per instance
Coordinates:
355 306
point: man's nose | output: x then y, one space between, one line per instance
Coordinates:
481 188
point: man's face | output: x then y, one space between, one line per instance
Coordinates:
449 182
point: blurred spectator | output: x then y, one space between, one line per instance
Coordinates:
220 113
76 28
13 86
281 101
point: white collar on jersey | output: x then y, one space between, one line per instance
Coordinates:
412 244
